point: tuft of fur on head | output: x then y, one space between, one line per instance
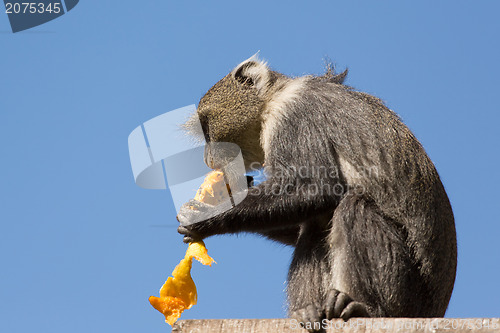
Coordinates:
330 75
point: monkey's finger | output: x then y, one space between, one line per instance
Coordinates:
183 230
329 307
187 216
188 239
342 301
353 310
197 205
189 235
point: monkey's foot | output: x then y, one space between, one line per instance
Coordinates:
309 317
340 305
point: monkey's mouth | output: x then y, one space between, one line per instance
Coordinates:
164 155
219 155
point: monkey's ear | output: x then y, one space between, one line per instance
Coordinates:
252 72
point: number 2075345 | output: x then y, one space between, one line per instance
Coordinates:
32 8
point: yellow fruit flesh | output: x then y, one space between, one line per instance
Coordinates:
213 190
178 293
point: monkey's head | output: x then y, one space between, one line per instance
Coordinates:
231 111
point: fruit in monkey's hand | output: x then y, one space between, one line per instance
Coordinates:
178 293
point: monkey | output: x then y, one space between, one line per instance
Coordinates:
374 236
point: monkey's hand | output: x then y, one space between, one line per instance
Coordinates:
193 217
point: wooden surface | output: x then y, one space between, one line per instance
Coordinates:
365 325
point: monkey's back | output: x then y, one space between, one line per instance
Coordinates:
377 152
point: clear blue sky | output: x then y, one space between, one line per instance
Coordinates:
82 247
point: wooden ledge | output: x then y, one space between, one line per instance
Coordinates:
355 325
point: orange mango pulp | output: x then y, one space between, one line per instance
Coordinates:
213 190
179 291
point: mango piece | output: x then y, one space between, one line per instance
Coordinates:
213 190
198 251
178 293
171 307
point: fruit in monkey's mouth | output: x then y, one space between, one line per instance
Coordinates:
214 189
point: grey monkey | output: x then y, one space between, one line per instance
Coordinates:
368 216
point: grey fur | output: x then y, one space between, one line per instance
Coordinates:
382 245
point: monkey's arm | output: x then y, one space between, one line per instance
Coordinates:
287 235
267 207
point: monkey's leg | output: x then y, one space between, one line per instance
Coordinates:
308 269
372 271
